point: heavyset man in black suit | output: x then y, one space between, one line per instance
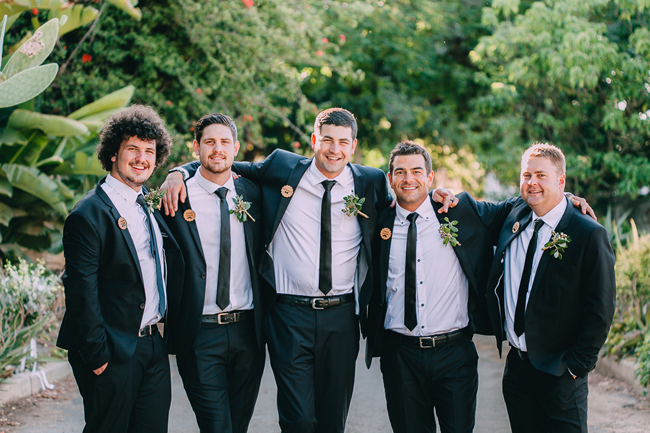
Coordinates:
218 344
311 328
551 294
115 284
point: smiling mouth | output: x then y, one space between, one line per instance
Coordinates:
139 167
333 158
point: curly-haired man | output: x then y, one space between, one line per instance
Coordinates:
118 286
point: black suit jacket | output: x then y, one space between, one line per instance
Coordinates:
478 226
103 282
286 168
571 303
182 338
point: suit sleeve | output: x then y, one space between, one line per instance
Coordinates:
599 294
384 198
493 215
81 244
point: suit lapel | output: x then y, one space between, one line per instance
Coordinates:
248 228
387 222
508 229
360 191
125 233
294 178
191 225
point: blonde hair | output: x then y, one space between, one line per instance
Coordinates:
548 151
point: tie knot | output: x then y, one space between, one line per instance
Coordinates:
141 201
538 224
412 217
328 184
221 192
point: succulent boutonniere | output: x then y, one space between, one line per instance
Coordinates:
449 232
153 199
353 205
558 243
241 209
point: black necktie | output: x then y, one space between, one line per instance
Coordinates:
153 250
223 281
410 316
325 269
525 280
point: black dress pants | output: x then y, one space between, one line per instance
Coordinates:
129 397
313 355
222 375
539 402
418 381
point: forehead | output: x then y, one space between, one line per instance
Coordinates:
408 161
217 131
139 143
537 164
335 131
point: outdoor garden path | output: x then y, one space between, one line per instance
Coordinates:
612 407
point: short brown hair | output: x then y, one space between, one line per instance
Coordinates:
337 117
212 119
409 147
548 151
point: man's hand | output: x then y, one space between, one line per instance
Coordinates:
446 197
100 370
173 187
583 205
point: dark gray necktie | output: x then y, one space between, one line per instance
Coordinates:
153 250
325 269
525 280
410 315
223 281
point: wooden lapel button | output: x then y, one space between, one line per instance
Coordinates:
121 223
515 228
189 215
286 191
385 233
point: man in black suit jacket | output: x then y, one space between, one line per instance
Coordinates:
115 284
218 342
432 365
551 294
312 329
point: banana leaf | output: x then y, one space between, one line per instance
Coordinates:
49 124
104 107
78 16
32 181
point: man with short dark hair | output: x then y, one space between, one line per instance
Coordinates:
118 285
218 344
317 257
551 294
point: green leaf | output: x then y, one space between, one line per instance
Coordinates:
78 16
27 84
128 7
42 42
11 136
104 107
83 165
12 11
33 182
6 213
50 124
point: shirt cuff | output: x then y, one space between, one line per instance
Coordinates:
182 171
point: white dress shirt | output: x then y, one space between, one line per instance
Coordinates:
442 287
515 259
123 198
295 248
206 205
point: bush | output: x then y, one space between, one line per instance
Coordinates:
27 296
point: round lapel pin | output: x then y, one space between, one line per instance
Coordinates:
515 228
189 215
286 191
121 223
385 233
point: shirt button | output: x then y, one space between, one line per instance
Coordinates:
142 306
420 282
422 326
418 260
421 305
203 276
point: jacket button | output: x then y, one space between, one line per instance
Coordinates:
203 276
142 306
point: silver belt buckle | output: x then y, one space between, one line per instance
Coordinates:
219 316
427 339
316 300
143 332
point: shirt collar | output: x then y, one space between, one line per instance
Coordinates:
315 176
553 217
128 193
425 210
211 187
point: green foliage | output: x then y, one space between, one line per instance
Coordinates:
449 232
643 358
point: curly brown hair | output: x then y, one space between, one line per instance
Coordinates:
135 121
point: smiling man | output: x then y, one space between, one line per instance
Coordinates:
551 294
316 259
218 340
118 285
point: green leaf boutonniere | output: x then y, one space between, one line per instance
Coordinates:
449 232
153 199
558 243
353 205
241 209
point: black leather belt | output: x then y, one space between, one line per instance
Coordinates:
148 330
227 318
316 303
427 342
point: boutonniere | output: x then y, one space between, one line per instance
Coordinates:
558 243
241 209
153 199
448 232
353 205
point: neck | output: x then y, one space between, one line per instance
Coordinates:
411 207
218 178
134 187
328 174
541 211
